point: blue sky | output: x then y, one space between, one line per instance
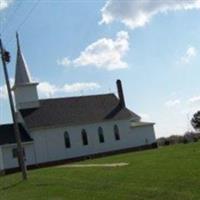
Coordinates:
82 47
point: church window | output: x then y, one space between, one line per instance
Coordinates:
116 132
84 137
146 141
67 140
15 153
101 136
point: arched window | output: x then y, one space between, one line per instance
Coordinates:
146 141
101 136
84 137
116 132
67 140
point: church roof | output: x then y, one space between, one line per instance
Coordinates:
22 75
7 134
76 111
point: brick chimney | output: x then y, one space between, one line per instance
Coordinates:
120 93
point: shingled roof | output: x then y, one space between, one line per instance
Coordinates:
76 111
7 134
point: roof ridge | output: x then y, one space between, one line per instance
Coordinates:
76 97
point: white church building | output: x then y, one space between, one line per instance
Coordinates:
59 130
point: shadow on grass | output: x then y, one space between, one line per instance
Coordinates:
11 186
46 184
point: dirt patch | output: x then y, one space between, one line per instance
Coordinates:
121 164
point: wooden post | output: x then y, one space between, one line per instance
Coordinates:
20 151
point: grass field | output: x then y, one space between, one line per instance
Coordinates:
169 173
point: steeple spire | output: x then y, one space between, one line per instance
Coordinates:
25 90
22 75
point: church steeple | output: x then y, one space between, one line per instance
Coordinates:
22 75
25 90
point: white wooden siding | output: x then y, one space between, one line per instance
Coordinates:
49 144
10 162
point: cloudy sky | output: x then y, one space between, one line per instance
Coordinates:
81 47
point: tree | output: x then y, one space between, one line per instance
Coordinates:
195 121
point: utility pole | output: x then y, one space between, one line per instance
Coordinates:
6 58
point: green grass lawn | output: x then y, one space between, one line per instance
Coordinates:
170 173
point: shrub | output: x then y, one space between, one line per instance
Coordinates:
177 139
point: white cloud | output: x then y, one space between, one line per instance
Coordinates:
4 4
137 13
64 61
190 53
105 53
78 87
172 103
194 99
3 90
46 89
144 116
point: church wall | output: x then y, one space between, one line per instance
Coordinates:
1 160
142 135
10 162
50 145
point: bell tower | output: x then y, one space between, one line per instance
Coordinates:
25 91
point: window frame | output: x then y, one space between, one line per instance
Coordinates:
84 137
67 140
101 135
116 132
15 152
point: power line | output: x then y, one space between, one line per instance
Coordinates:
28 15
10 17
24 20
